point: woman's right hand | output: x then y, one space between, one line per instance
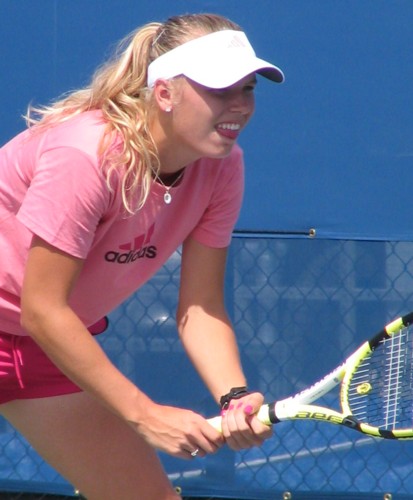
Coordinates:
177 431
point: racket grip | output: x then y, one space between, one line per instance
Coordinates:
216 423
263 416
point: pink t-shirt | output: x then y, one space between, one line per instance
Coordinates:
52 185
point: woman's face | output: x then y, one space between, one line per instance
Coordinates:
206 122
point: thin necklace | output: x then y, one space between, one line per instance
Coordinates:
167 197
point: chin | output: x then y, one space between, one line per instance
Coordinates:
221 152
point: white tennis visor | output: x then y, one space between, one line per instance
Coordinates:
217 60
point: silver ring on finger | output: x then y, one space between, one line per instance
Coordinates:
194 453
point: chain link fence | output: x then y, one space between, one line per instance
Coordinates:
299 306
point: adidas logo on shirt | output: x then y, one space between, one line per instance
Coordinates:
137 249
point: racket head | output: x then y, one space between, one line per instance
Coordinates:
377 388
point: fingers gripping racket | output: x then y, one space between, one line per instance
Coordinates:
376 392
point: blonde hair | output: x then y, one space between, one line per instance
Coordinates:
119 90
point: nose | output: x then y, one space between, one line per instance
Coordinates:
242 102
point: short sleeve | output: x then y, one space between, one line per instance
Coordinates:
217 223
66 199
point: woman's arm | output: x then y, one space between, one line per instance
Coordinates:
210 342
47 316
203 324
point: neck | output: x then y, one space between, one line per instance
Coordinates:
173 155
168 179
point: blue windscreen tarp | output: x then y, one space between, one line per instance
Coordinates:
330 149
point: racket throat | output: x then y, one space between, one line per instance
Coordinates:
351 422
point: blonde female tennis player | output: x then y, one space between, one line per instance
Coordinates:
94 198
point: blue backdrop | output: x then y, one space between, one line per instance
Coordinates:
331 149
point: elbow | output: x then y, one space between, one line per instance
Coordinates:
28 319
181 319
32 317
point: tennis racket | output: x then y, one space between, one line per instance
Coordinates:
376 393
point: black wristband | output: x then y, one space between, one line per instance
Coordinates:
234 393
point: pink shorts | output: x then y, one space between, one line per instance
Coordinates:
27 373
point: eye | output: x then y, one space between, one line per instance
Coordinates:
228 92
250 87
218 92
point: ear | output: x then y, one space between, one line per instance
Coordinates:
162 93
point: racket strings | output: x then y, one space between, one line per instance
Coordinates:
380 391
395 371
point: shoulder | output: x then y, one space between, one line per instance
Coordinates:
83 132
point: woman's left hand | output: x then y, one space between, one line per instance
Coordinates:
240 425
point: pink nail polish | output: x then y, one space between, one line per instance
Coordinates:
240 404
248 410
231 407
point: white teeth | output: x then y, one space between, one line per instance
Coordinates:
229 126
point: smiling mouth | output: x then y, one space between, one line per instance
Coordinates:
229 130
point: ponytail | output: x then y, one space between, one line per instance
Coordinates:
119 90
